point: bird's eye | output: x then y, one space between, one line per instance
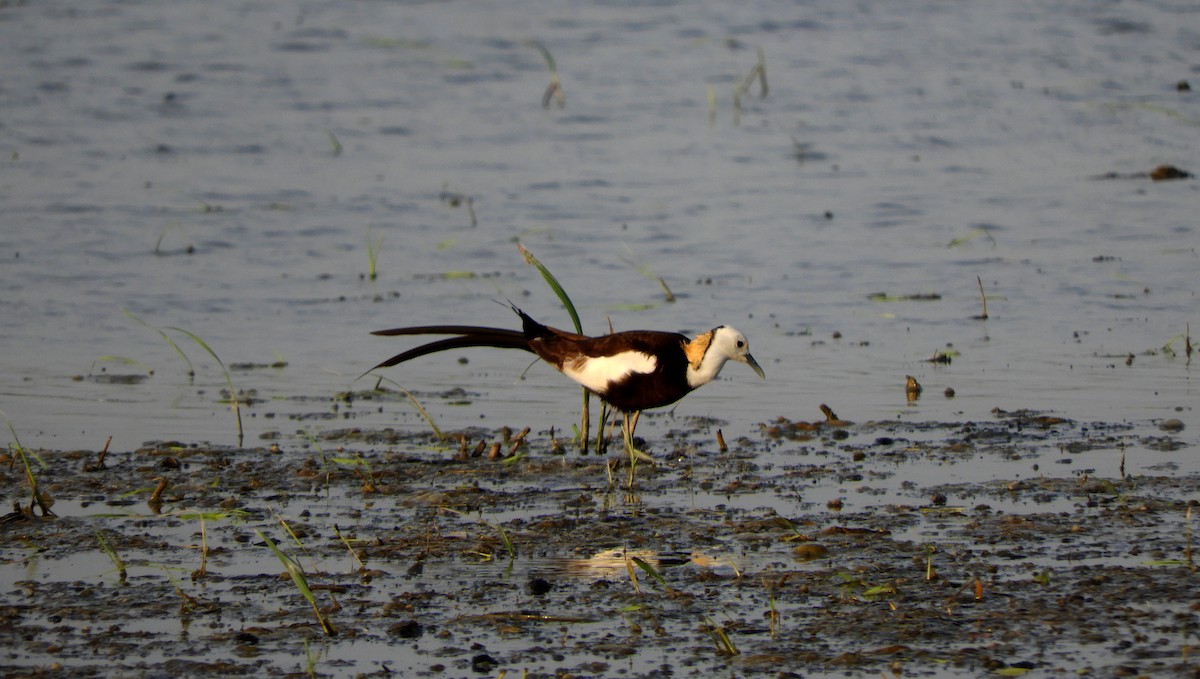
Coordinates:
741 343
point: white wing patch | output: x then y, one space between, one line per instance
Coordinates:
596 372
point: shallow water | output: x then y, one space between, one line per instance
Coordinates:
219 167
944 145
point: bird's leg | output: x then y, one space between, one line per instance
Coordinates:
635 455
636 414
602 442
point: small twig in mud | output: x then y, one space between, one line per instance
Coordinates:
721 442
983 299
155 500
1187 343
99 463
518 441
831 417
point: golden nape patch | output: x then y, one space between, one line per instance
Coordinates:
696 349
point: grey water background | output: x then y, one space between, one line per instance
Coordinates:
220 166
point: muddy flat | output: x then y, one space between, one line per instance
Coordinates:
425 558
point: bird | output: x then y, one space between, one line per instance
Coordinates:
632 370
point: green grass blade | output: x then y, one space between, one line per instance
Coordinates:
109 550
417 404
508 543
38 499
554 285
566 301
550 65
650 570
165 336
300 580
233 395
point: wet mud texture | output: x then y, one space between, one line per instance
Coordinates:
713 565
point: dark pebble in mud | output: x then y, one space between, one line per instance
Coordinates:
246 638
1171 425
539 586
483 663
810 551
409 629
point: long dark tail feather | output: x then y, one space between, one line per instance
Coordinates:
445 330
468 336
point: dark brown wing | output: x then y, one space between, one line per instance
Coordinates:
638 391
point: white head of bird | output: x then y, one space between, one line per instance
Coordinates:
710 351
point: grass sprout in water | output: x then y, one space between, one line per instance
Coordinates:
39 498
554 91
167 338
373 247
112 555
300 579
416 404
233 394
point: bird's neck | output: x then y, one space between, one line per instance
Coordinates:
707 371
